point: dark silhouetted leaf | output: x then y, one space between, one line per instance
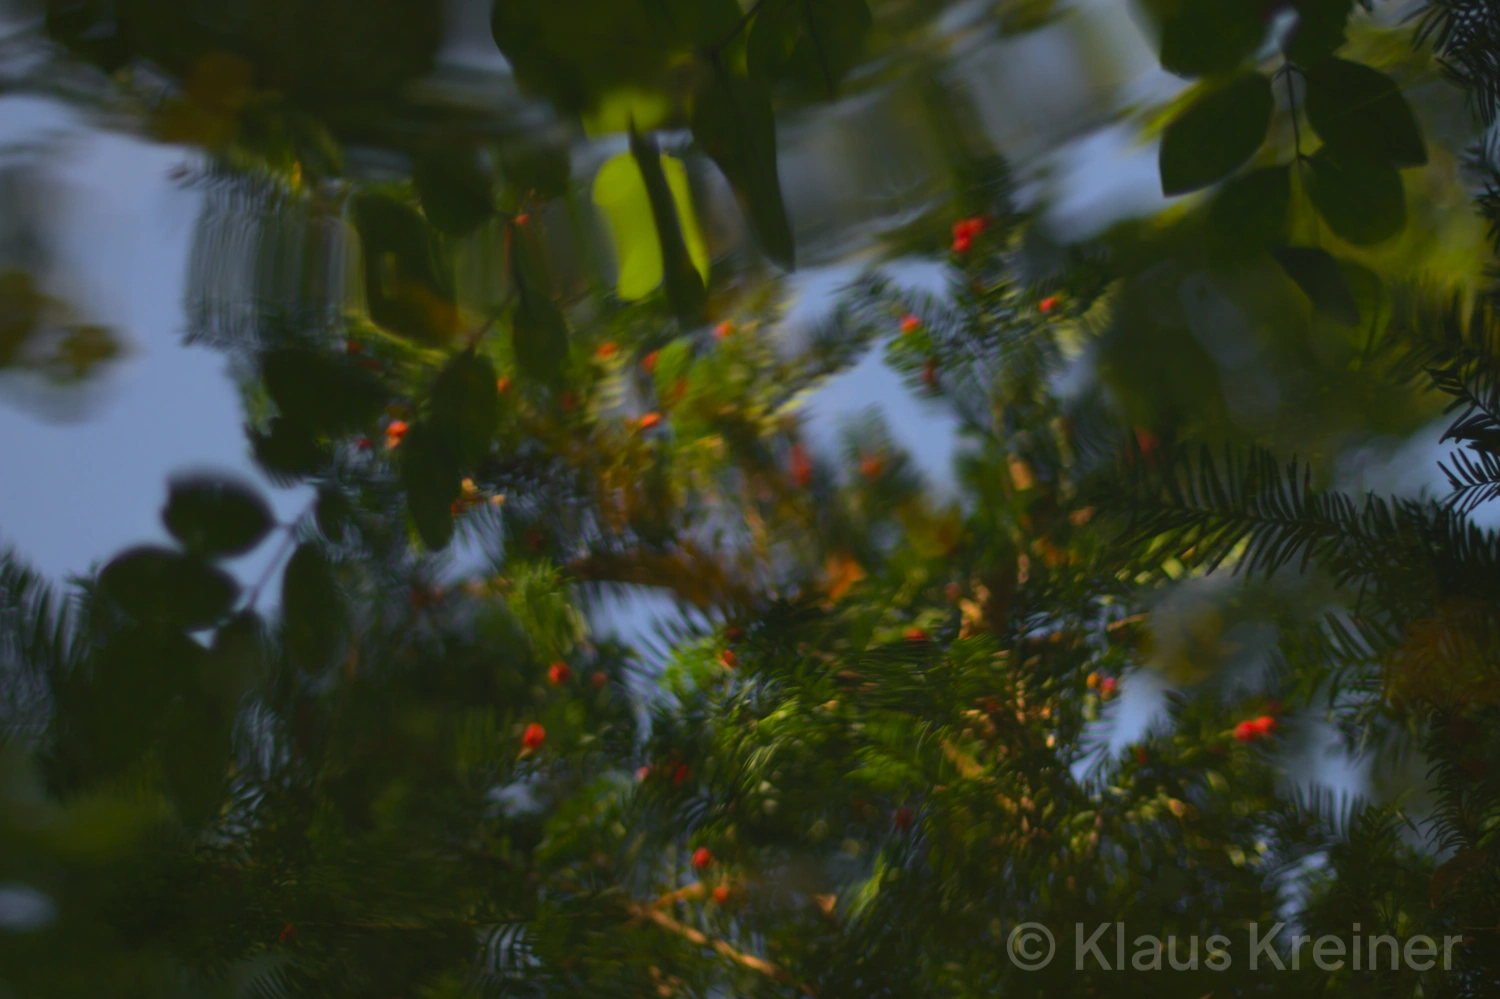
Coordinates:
814 43
1206 37
194 750
1250 212
1319 276
684 285
457 188
408 283
431 474
465 405
539 332
215 516
158 584
1217 134
1319 31
235 661
326 394
1359 111
1363 201
540 169
287 451
313 615
733 122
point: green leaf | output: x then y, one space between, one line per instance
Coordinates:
1362 201
537 168
1321 278
1221 130
432 477
287 451
327 395
539 331
1206 37
465 405
814 42
1319 31
408 284
457 188
1359 111
734 124
215 516
313 613
158 584
1251 211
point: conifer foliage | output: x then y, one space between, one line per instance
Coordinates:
873 742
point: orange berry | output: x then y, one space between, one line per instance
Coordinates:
534 737
606 350
1264 725
502 384
394 431
1047 304
649 420
910 324
649 361
1092 681
724 330
916 635
702 858
871 466
1107 687
559 674
721 894
522 219
642 773
729 659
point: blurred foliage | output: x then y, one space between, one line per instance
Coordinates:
878 740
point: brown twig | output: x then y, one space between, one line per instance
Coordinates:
693 936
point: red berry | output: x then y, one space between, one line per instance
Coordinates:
910 324
606 350
394 431
599 679
1140 755
902 818
649 420
702 858
522 219
288 932
916 635
649 361
1047 304
502 384
642 773
681 776
724 330
721 894
559 674
1146 440
1107 686
534 737
802 468
1245 731
1264 725
365 444
728 658
871 466
961 244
